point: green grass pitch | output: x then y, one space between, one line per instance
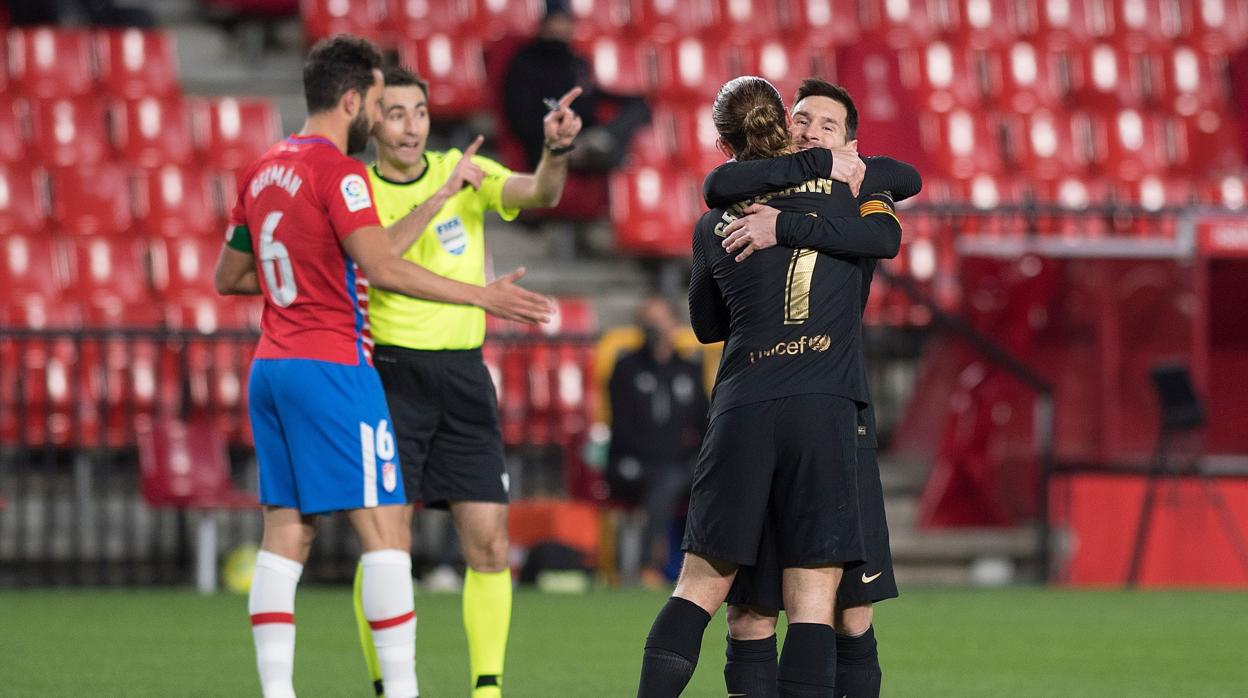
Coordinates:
1010 642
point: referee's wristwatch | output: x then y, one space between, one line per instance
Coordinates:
560 149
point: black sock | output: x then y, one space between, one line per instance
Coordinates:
751 668
858 672
808 662
672 649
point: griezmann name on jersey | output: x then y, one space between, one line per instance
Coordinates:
298 202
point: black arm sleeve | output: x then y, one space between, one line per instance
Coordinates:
876 235
737 181
885 174
708 314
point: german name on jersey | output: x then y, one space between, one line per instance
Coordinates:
453 245
297 204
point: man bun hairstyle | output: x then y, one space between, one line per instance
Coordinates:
334 67
400 76
818 87
749 115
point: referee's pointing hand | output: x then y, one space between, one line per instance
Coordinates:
562 124
503 298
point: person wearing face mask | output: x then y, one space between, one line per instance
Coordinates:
658 414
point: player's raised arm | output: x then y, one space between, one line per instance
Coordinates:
884 174
866 235
544 187
736 180
407 230
369 247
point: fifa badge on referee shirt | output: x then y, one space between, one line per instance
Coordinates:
452 236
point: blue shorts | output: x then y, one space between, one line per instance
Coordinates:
323 436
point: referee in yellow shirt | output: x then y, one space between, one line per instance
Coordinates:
440 394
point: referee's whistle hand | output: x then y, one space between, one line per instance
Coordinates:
561 124
504 299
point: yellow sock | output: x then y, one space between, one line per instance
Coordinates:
487 618
366 633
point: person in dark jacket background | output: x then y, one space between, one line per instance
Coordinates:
658 416
547 67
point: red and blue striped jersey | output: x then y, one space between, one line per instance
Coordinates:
299 201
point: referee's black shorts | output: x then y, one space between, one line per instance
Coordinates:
788 463
863 582
445 414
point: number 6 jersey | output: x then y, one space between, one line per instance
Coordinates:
295 206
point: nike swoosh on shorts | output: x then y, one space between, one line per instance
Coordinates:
872 578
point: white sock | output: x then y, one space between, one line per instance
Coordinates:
272 608
386 594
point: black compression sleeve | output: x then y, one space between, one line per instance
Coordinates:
875 235
734 181
885 174
707 312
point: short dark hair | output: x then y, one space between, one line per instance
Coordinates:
818 87
400 76
334 67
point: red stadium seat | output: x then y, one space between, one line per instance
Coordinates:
46 62
417 19
14 116
743 21
152 131
1188 81
786 63
695 137
690 68
176 201
902 24
69 132
91 200
1206 143
325 18
1153 194
941 77
831 21
1063 24
975 24
206 311
1025 77
184 264
1106 77
37 311
1219 26
1144 24
36 410
621 65
1073 197
595 18
135 63
1228 191
653 211
666 19
963 142
33 266
1050 144
23 200
455 69
499 18
113 270
1129 144
232 133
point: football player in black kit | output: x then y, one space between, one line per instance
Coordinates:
781 446
823 116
